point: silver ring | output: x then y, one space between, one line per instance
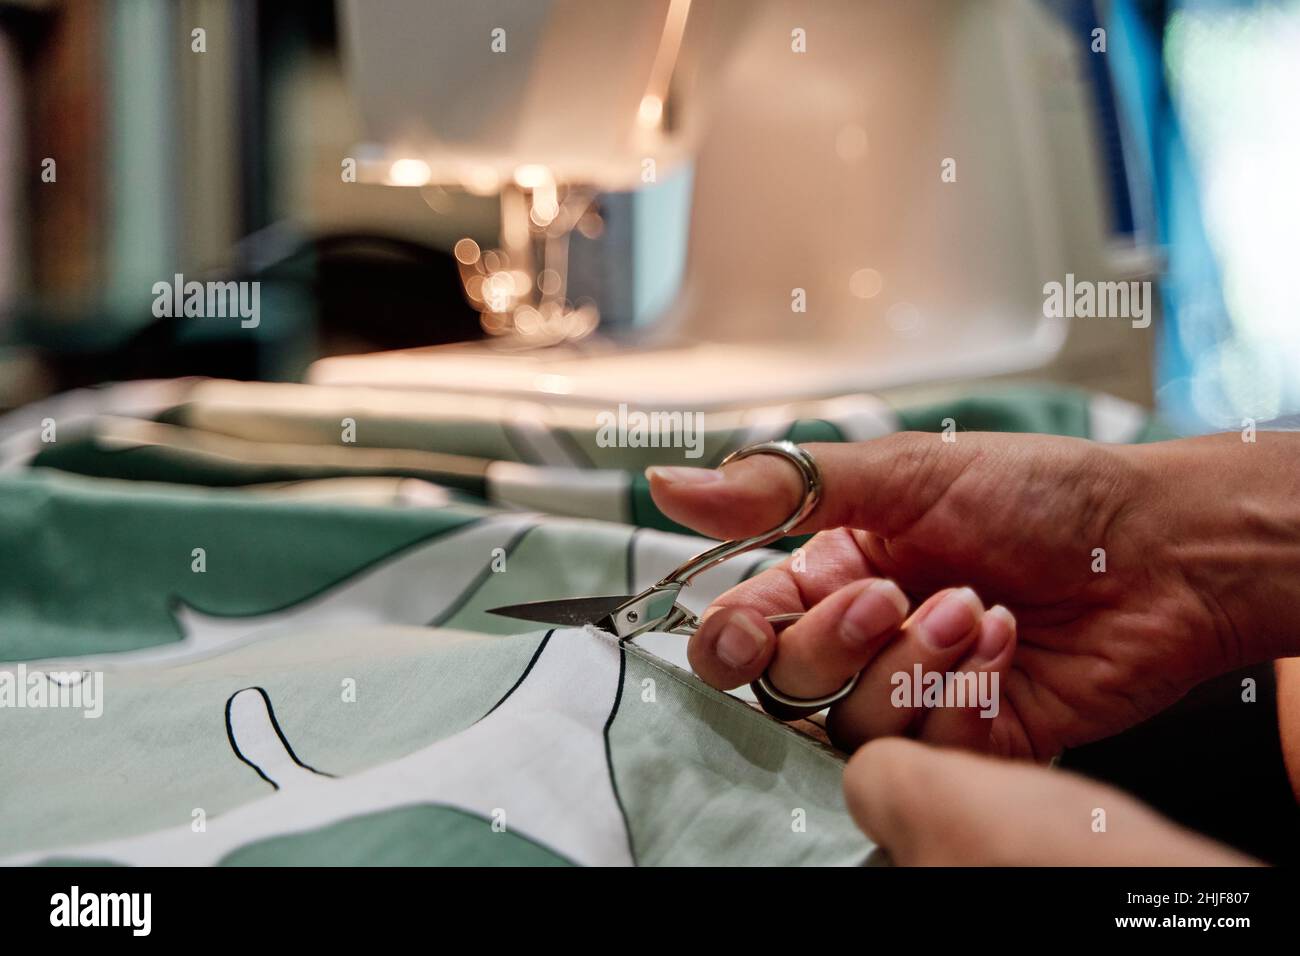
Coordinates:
784 707
803 461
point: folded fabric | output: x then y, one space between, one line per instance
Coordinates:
246 624
554 458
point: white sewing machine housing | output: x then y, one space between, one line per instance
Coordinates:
850 195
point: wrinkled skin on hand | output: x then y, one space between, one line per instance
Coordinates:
1076 540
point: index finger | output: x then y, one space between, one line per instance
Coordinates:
881 486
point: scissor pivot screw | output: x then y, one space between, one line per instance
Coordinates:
632 616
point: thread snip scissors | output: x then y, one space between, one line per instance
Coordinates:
657 609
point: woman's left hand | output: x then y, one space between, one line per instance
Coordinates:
932 806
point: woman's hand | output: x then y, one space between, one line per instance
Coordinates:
1121 575
930 806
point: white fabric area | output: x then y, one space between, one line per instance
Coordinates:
545 770
74 412
594 493
548 770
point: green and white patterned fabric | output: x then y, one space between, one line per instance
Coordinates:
260 610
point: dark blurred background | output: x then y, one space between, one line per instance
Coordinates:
220 166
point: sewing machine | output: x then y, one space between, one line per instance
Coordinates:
715 203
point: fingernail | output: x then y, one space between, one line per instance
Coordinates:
880 606
740 642
677 475
994 639
950 620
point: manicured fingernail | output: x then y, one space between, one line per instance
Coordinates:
947 622
676 475
998 630
881 605
740 642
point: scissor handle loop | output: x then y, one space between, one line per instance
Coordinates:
812 495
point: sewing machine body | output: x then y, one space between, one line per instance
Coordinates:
849 222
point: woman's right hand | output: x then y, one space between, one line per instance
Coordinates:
1127 575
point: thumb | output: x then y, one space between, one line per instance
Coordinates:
931 806
882 486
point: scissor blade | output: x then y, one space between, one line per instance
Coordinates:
570 612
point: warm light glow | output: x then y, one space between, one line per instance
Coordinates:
524 299
651 111
528 321
498 292
554 384
548 282
467 252
585 321
409 172
544 211
532 176
522 282
546 204
480 180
